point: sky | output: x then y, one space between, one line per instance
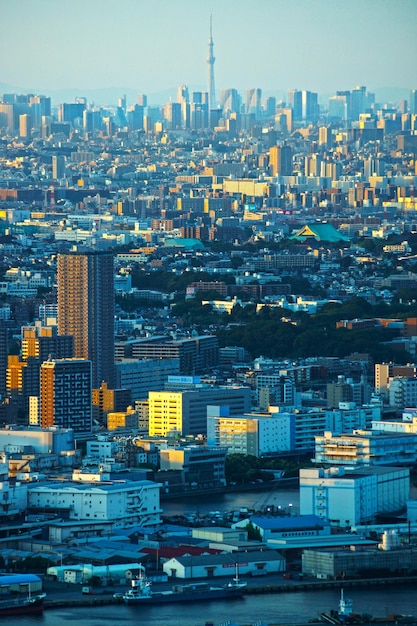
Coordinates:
155 45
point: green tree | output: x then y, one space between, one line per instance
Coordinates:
254 534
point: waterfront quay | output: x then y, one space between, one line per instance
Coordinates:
60 595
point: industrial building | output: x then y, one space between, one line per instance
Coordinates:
360 562
346 497
126 503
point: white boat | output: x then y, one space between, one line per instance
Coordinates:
141 591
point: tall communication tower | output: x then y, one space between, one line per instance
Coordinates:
210 61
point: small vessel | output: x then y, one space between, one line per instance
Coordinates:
25 605
345 607
141 592
346 617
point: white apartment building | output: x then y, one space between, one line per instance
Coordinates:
102 448
366 447
308 424
277 430
402 426
348 497
13 495
274 388
348 417
402 392
126 503
254 433
386 372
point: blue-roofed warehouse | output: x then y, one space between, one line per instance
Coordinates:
20 583
288 526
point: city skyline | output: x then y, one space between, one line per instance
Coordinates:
149 46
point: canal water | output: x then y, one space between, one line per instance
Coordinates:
286 500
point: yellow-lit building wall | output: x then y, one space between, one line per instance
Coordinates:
14 373
165 413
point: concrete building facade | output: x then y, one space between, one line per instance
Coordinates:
346 498
144 375
366 447
254 434
126 503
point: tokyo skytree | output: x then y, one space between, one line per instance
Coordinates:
210 60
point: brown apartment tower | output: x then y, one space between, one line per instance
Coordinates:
280 160
86 309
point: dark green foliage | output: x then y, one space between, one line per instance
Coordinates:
312 335
32 564
169 282
254 534
243 469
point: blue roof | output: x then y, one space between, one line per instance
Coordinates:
183 241
321 231
293 522
19 579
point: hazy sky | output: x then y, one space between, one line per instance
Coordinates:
154 45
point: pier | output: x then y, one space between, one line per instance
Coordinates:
104 597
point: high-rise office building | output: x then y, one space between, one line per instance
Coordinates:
253 101
86 309
358 102
66 394
339 106
325 137
91 120
7 115
182 94
413 101
310 108
40 106
135 117
142 100
199 116
122 103
183 100
270 106
230 101
71 111
172 115
58 166
280 160
25 125
295 101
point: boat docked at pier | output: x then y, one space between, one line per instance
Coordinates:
20 594
141 592
345 616
22 605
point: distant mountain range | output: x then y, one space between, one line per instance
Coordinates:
108 96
